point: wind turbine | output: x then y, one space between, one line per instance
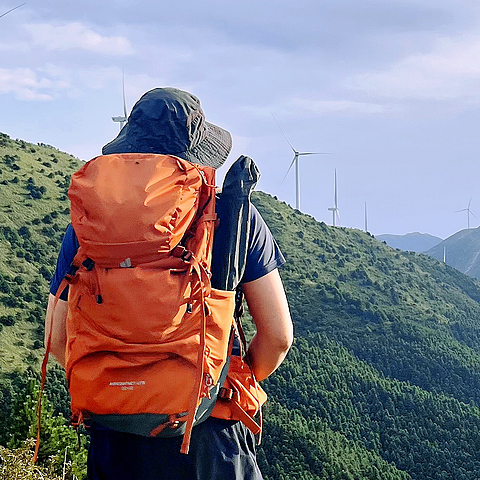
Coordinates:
296 156
11 10
122 119
335 211
469 212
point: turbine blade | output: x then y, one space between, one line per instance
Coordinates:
463 210
472 213
278 125
124 101
313 153
11 10
289 168
469 203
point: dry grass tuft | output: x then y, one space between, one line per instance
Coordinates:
18 464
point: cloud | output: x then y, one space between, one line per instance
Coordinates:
450 71
320 107
298 107
76 36
28 84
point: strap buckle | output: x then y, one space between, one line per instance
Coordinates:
88 263
181 252
225 394
71 272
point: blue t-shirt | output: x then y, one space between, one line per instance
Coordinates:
263 253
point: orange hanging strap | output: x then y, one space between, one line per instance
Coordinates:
64 283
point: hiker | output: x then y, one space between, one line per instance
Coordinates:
167 121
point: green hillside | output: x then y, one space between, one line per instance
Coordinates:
33 215
381 383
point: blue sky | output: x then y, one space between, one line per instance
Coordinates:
391 88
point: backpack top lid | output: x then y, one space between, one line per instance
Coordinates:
171 121
135 205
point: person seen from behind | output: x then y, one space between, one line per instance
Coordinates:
164 122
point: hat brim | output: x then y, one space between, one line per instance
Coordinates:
119 144
212 151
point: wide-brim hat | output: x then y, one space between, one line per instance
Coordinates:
171 121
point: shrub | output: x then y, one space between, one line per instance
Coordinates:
7 320
11 301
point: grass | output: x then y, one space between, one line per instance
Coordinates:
18 465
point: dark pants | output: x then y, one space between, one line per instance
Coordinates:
219 450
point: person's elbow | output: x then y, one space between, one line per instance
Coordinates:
57 348
288 339
281 340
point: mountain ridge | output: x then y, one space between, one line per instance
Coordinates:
414 241
461 251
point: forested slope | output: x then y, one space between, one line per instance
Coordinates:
387 353
381 383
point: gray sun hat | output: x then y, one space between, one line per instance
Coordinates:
171 121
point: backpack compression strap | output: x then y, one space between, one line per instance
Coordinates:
200 367
175 420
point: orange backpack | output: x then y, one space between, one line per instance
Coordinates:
148 338
146 334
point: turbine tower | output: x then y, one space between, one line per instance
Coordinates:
296 156
366 218
122 119
335 211
469 212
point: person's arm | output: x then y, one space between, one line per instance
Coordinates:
268 306
56 323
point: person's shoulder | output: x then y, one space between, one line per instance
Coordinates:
264 254
70 237
257 222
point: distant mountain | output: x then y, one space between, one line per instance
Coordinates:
461 250
382 382
411 242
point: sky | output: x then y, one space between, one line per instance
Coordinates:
390 89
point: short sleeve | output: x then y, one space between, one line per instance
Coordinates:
67 254
264 255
